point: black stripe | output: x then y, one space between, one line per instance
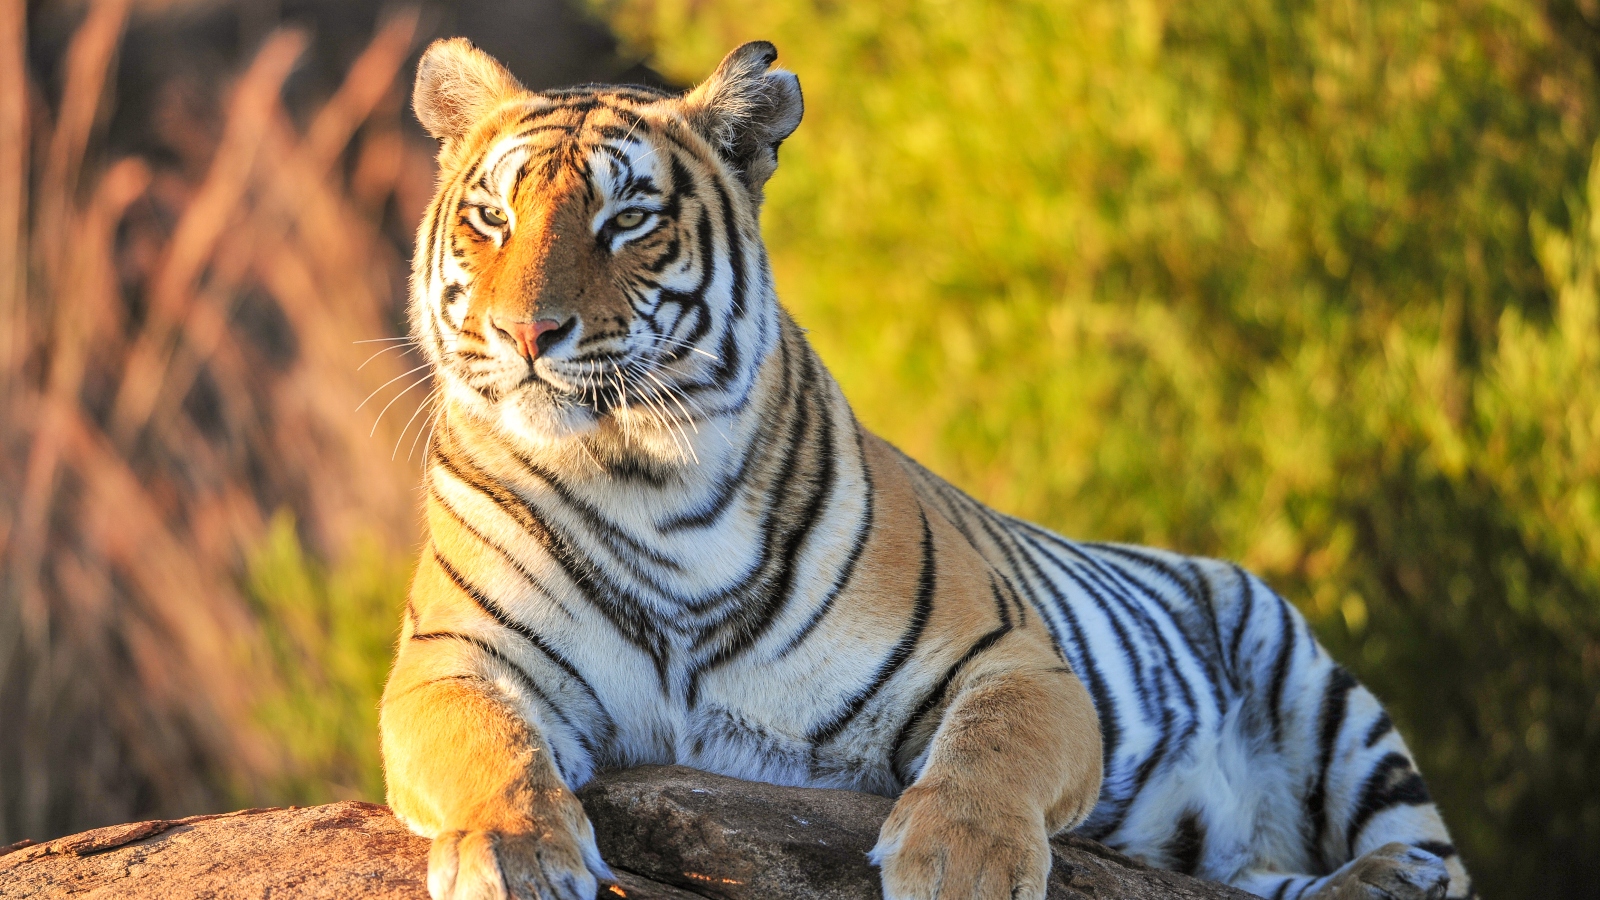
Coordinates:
1393 782
1247 606
1001 608
504 620
934 698
1104 702
1150 705
1152 763
730 230
921 610
721 496
618 607
761 610
858 546
527 576
1142 614
601 525
527 682
1280 671
1379 730
1441 849
682 182
1335 703
1187 846
1165 665
1205 647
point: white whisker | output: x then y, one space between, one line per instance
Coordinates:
673 397
389 382
418 411
664 339
437 415
379 353
392 402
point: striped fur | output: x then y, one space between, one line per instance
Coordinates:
657 534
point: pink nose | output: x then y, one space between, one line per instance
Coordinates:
526 334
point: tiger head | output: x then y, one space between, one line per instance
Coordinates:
591 267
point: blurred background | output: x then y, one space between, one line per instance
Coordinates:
1312 285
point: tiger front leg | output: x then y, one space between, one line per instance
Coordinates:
464 769
1015 758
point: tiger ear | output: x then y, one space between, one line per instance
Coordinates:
457 85
745 111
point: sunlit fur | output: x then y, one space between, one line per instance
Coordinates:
660 536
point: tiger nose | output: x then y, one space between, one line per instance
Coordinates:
527 335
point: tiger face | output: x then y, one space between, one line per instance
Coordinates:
590 269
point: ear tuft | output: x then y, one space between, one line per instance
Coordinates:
458 85
745 111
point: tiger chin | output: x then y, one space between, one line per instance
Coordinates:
657 534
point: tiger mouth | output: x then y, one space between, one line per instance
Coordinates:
600 391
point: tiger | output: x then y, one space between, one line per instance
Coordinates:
657 534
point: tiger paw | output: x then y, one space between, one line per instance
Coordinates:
537 864
1391 872
938 845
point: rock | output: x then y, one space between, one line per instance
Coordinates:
341 850
727 839
670 833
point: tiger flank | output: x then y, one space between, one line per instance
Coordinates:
657 534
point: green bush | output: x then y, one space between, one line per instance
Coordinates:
330 632
1307 285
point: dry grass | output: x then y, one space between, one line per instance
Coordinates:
179 362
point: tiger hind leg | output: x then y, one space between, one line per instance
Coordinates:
1356 821
1392 872
1375 831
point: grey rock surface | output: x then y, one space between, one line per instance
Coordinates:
737 840
670 833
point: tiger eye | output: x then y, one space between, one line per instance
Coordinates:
628 219
493 217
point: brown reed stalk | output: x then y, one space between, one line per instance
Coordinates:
150 426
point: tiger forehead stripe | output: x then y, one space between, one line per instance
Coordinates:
550 138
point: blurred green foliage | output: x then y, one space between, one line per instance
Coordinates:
330 632
1309 285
